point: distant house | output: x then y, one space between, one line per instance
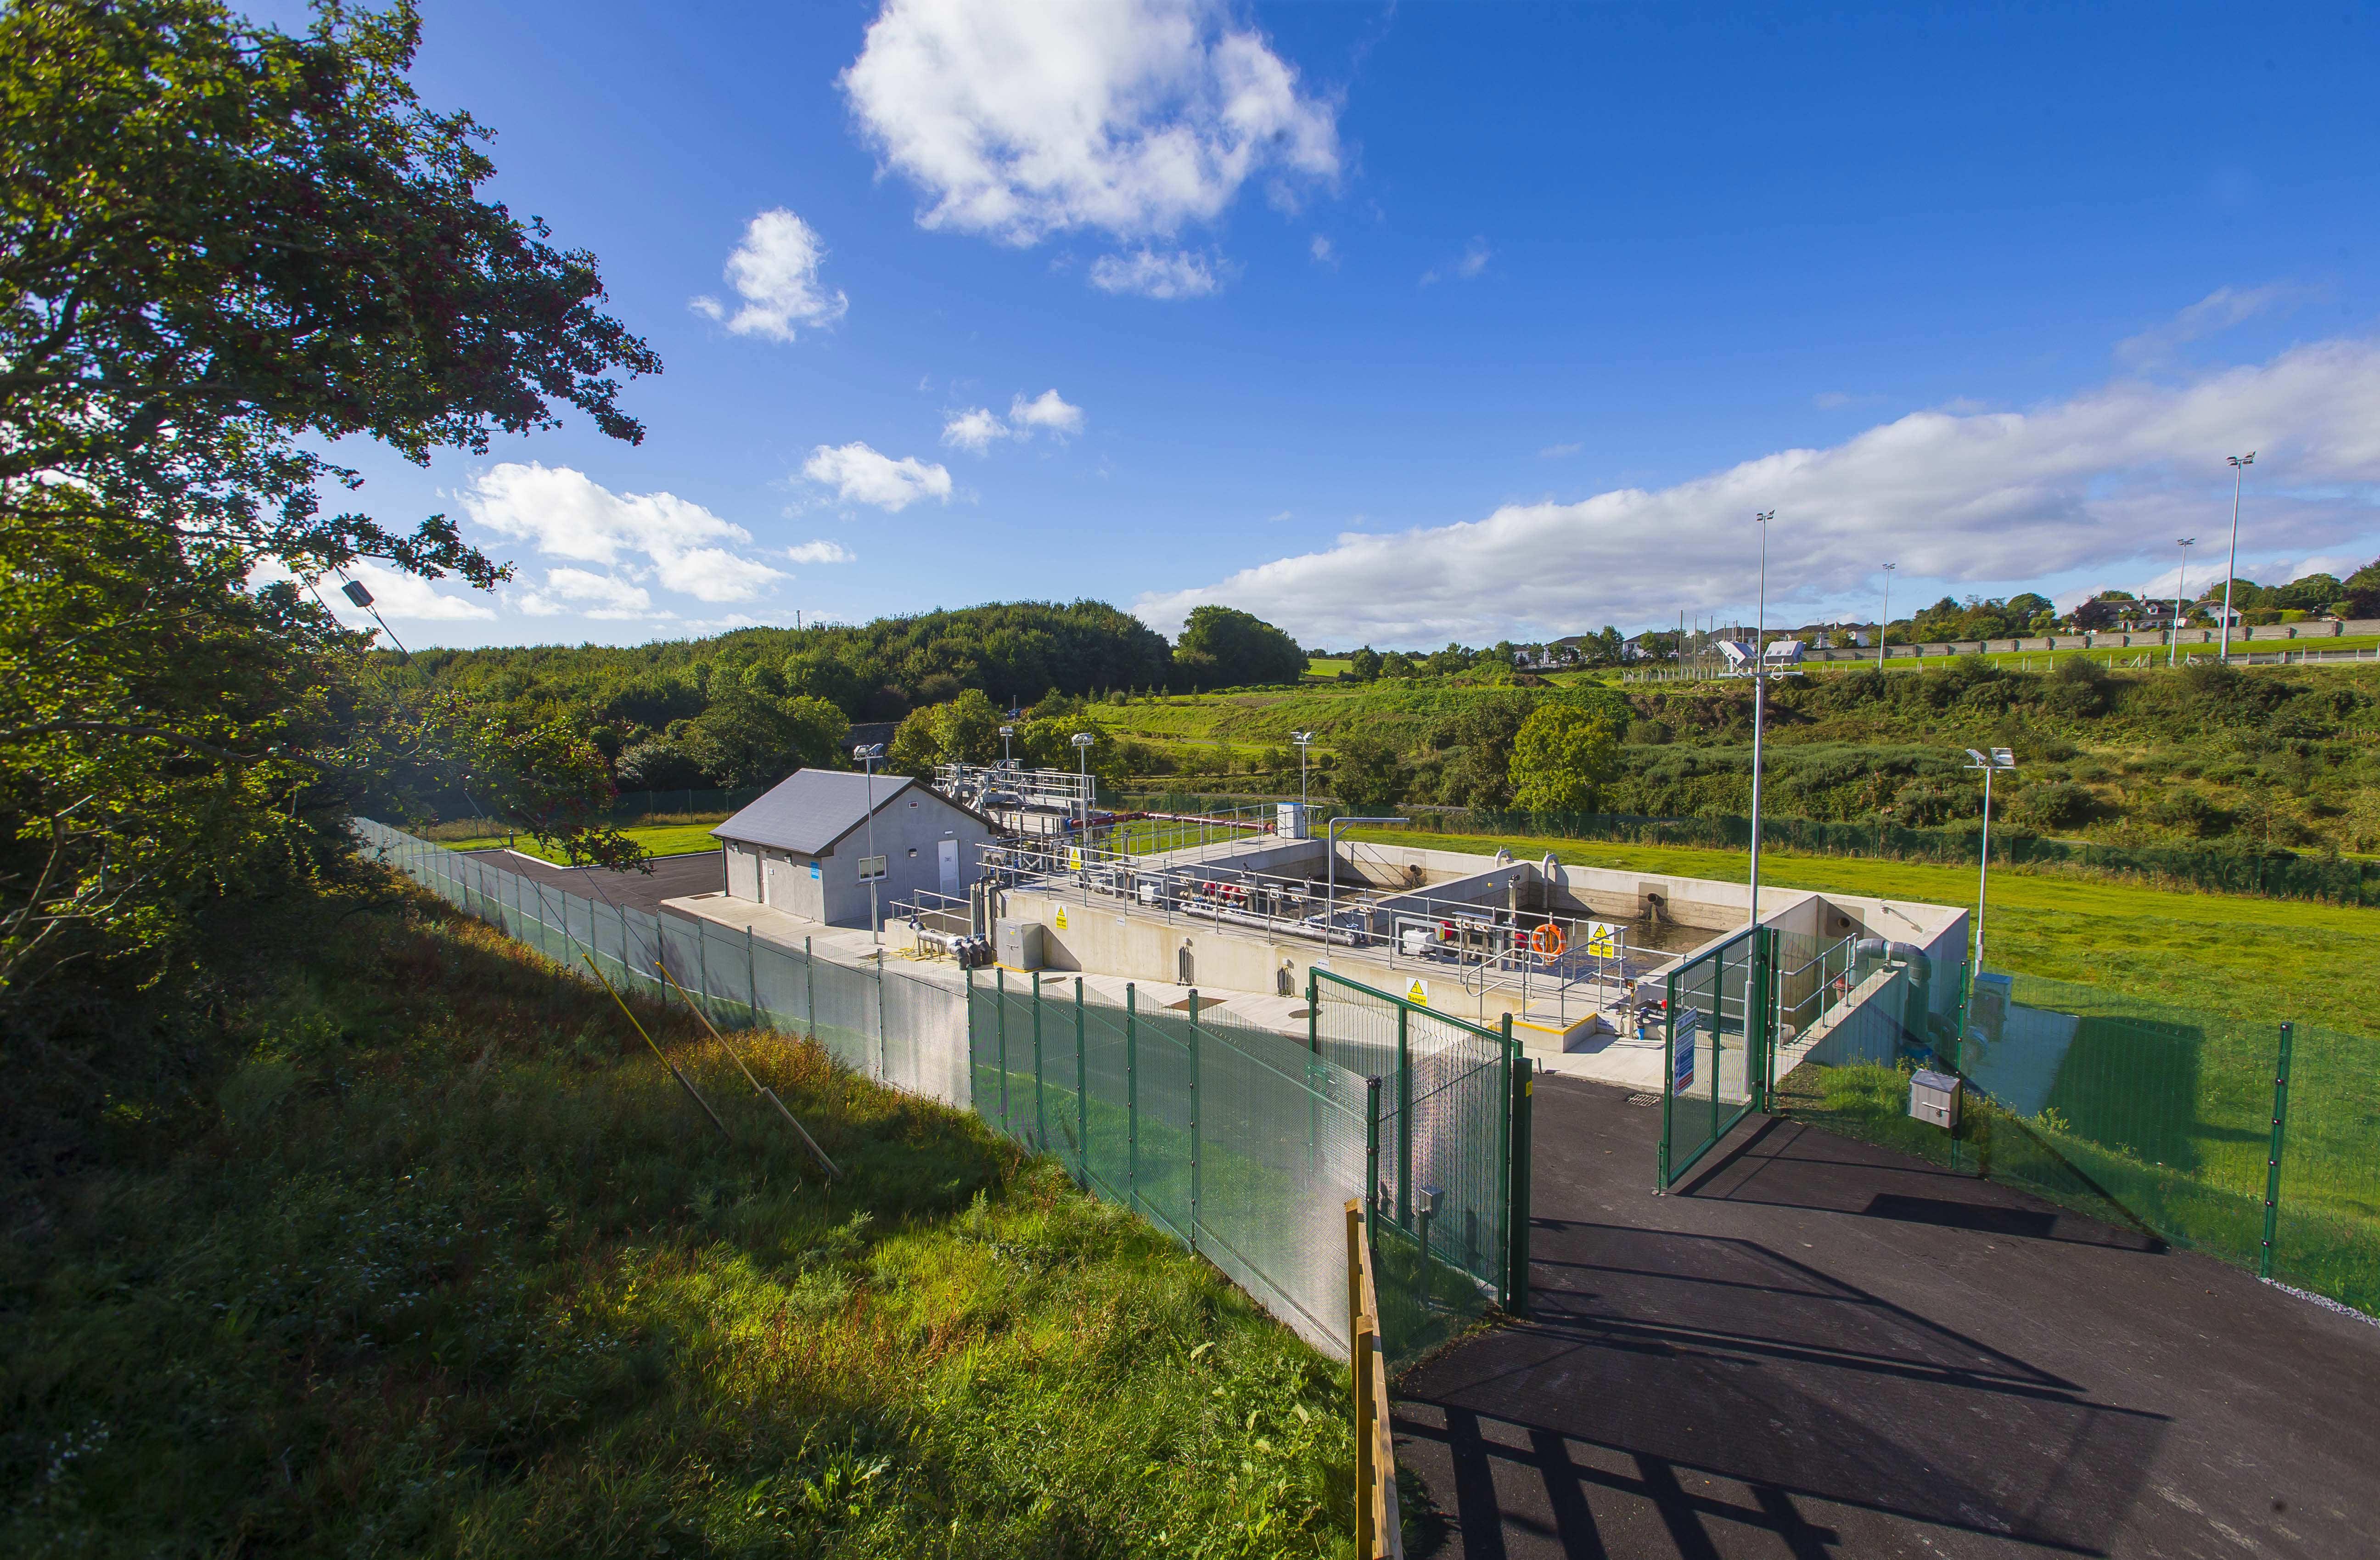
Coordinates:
801 848
1633 648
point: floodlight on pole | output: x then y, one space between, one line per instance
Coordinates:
1886 621
1005 733
869 753
1990 763
2240 464
2180 584
1304 740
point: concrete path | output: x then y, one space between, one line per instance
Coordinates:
1819 1347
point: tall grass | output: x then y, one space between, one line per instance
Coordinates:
461 1272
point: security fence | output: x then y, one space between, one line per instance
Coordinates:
1243 1143
2255 1141
883 1025
1720 1010
2273 873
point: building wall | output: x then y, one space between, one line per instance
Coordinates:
827 888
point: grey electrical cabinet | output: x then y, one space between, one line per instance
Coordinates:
1934 1096
1017 944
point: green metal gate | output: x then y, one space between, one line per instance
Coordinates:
1447 1179
1720 1027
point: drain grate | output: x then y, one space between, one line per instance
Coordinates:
1643 1099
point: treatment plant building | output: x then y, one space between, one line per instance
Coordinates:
801 846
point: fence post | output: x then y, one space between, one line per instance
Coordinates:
1508 1057
702 967
752 977
883 1047
809 991
1668 1082
1314 1055
1132 1096
1193 1118
1082 1095
1371 1148
1405 1116
2273 1164
1524 1090
1040 1112
1000 986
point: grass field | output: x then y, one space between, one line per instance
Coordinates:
463 1272
669 836
2231 953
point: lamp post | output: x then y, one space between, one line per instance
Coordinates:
1005 733
868 753
1886 621
1304 740
1998 759
1759 690
2180 584
2240 464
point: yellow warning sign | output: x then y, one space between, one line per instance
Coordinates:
1602 939
1417 993
1061 917
1075 858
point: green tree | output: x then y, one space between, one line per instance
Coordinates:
1222 647
748 738
1365 775
222 250
1563 757
1365 664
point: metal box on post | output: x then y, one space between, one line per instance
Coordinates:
1017 944
1289 821
1934 1096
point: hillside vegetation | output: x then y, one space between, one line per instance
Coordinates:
456 1269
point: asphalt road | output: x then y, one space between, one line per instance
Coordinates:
1818 1347
672 877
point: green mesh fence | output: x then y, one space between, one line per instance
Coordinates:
1718 1008
1449 1225
1241 1143
2161 1119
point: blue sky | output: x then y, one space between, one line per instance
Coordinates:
1405 323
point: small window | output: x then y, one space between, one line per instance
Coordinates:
913 851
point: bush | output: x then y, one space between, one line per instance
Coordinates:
2057 804
2190 811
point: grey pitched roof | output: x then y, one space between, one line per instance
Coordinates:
810 810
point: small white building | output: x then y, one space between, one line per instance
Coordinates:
802 845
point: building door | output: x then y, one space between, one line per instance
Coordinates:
947 858
780 884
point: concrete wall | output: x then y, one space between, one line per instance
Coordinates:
908 832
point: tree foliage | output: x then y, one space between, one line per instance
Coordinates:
1563 756
1223 647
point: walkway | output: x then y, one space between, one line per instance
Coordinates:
1818 1347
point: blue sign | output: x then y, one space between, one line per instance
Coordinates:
814 870
1683 1035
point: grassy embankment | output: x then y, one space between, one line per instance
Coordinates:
668 836
462 1272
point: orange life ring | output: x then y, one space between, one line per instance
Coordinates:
1549 940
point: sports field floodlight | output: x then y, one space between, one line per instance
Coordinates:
870 754
1886 621
2240 464
1998 759
1304 740
2180 582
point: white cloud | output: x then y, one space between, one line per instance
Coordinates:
567 515
1178 274
821 552
1464 267
1556 452
775 270
1047 411
592 594
861 475
1835 400
2219 310
2104 479
976 430
1020 118
1323 252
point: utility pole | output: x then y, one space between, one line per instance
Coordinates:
1886 621
2240 464
2180 583
867 754
2000 758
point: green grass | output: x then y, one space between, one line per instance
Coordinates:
2235 955
674 839
2120 658
461 1272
